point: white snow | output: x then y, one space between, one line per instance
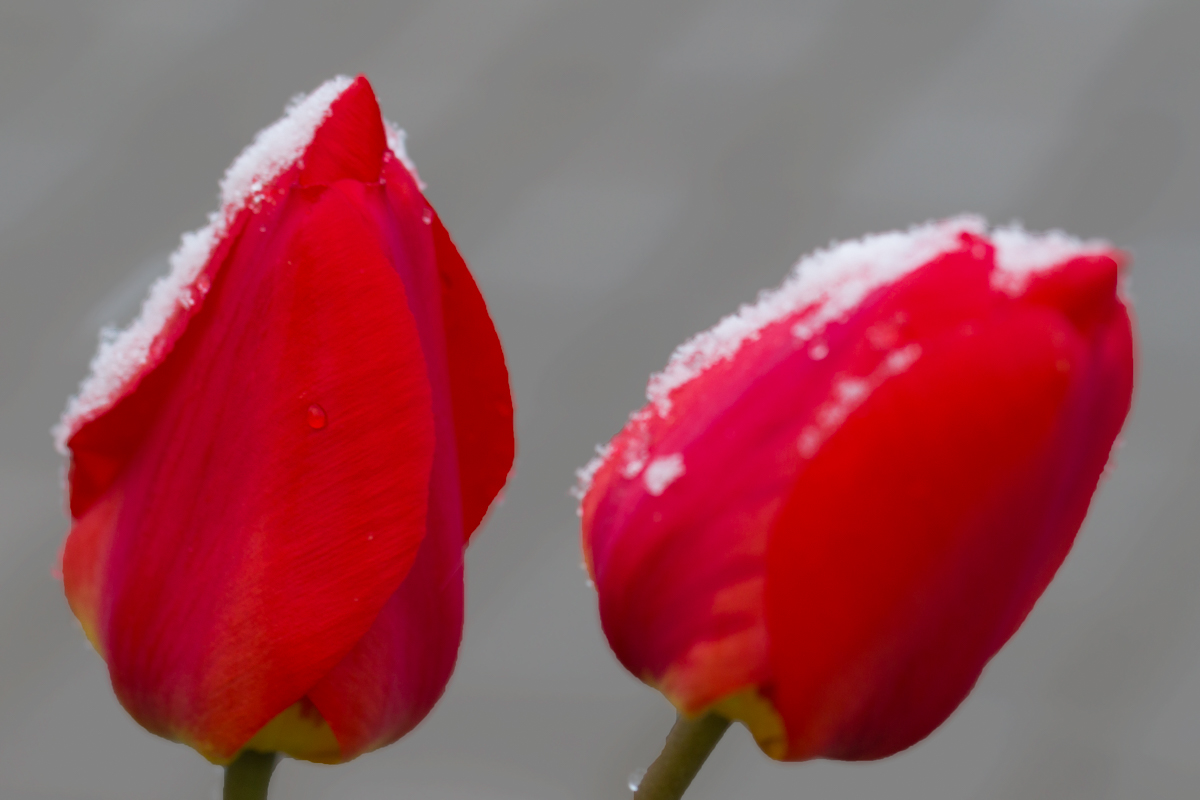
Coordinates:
637 451
585 474
847 394
831 283
396 137
662 472
1021 254
277 147
833 280
121 355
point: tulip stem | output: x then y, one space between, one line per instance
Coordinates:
689 743
248 775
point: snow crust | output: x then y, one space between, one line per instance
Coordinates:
585 474
833 280
831 283
122 354
662 472
277 147
396 138
1020 254
847 394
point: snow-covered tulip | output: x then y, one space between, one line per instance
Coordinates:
840 502
275 468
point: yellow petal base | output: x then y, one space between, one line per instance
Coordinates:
760 718
301 732
751 709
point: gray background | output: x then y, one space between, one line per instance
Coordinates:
619 174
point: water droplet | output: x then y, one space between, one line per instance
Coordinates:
317 418
635 779
427 216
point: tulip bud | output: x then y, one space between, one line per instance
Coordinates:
840 502
275 468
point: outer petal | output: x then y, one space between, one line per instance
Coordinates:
351 142
483 407
980 459
249 552
398 670
480 402
393 676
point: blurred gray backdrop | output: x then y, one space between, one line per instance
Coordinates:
620 174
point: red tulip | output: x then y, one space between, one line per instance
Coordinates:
274 470
842 501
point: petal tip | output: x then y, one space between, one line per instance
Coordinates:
350 141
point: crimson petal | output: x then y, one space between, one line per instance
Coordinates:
483 407
250 551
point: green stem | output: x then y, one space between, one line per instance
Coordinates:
688 745
248 775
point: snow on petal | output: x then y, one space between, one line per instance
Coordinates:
1020 254
396 138
833 281
122 355
662 472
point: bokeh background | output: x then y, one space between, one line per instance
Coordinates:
620 174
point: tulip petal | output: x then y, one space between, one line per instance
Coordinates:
842 501
396 672
84 555
980 461
483 407
350 143
253 547
479 396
